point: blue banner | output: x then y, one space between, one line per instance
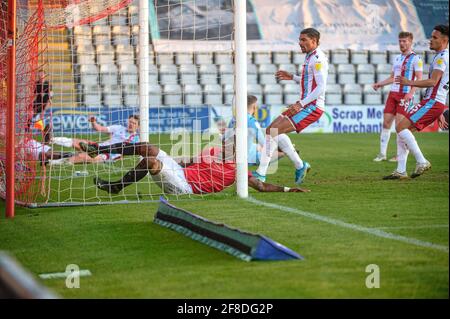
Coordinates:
161 119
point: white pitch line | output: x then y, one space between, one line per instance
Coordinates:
412 227
362 229
58 275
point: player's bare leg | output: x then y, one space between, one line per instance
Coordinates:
404 130
149 163
385 135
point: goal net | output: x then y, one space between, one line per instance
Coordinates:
81 77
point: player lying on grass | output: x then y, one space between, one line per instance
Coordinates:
40 151
118 134
211 172
430 109
257 137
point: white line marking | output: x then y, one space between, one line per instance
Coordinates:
367 230
57 275
412 227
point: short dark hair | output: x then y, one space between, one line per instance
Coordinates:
311 33
405 34
442 28
251 99
134 116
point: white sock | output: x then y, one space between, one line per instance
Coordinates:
411 143
266 155
402 155
285 144
58 161
63 141
384 140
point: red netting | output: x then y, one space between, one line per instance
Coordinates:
34 18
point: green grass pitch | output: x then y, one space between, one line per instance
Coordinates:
131 257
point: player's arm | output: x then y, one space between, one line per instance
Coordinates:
266 187
98 127
320 73
284 75
418 77
433 81
385 82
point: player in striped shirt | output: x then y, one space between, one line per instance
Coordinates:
428 110
117 134
307 110
409 65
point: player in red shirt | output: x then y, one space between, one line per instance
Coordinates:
211 172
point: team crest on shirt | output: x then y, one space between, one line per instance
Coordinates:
318 66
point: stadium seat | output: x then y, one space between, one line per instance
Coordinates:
119 18
249 58
120 35
282 57
152 74
124 54
130 95
289 67
168 74
203 58
101 39
366 73
426 71
105 57
85 49
262 58
172 94
383 71
252 74
223 58
340 56
429 56
108 74
82 40
273 94
135 35
112 96
359 57
128 73
83 30
352 94
378 57
385 91
226 73
392 54
213 94
184 58
133 14
256 90
88 74
85 59
188 74
228 94
101 30
372 97
208 74
333 95
192 94
298 58
267 74
164 58
291 93
331 74
151 54
92 96
155 94
346 73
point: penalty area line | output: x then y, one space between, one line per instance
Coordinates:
359 228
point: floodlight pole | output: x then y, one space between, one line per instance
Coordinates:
240 43
11 110
144 69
